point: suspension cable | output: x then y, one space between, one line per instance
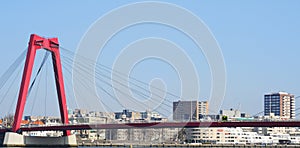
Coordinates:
11 69
39 70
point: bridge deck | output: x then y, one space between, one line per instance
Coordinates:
160 125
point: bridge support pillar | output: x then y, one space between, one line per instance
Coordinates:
12 139
50 44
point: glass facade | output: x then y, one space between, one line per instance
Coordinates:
272 104
280 104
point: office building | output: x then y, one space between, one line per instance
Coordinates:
203 107
280 104
232 113
127 115
189 110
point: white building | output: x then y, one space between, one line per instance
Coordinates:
230 113
274 130
235 136
203 107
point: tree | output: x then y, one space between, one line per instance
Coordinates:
182 135
8 120
224 118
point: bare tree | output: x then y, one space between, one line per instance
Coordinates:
8 120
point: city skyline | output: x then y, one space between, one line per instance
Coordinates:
259 42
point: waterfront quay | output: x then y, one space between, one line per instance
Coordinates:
178 145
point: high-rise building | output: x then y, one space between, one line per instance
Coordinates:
203 107
189 110
281 104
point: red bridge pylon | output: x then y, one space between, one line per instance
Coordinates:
51 44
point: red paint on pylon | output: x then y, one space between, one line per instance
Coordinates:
51 44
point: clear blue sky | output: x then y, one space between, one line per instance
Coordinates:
259 40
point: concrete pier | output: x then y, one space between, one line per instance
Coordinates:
14 139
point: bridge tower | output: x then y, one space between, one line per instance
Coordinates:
51 44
